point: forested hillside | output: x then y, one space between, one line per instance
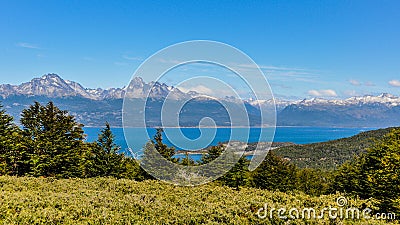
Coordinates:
330 154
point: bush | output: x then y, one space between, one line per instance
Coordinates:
30 200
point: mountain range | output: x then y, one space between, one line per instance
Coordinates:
53 86
93 107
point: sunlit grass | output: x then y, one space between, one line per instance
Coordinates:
111 201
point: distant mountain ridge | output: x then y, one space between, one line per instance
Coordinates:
95 106
53 86
367 111
385 98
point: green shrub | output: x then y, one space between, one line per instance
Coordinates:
29 200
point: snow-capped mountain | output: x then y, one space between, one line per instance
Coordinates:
384 98
50 85
139 89
373 111
94 106
280 104
53 86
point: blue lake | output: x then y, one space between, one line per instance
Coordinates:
182 138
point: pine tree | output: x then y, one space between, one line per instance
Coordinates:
238 175
187 161
54 139
151 162
93 161
113 163
218 167
14 158
106 141
274 173
212 153
163 149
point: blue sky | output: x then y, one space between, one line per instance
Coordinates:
306 48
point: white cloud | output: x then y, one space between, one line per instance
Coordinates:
320 93
27 45
170 61
121 64
199 88
132 58
359 83
253 66
394 83
369 83
355 82
212 90
285 74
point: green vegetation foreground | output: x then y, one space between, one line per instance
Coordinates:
29 200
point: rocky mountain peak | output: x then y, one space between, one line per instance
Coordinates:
52 85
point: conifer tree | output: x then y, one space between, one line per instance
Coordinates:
218 167
187 161
112 162
213 153
312 181
238 175
14 158
274 173
163 149
106 141
54 139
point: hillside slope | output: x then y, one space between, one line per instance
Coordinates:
328 155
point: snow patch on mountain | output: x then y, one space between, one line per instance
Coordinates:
53 86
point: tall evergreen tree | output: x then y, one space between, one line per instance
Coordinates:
187 161
111 162
218 167
55 140
274 173
163 149
238 175
106 141
14 158
212 153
